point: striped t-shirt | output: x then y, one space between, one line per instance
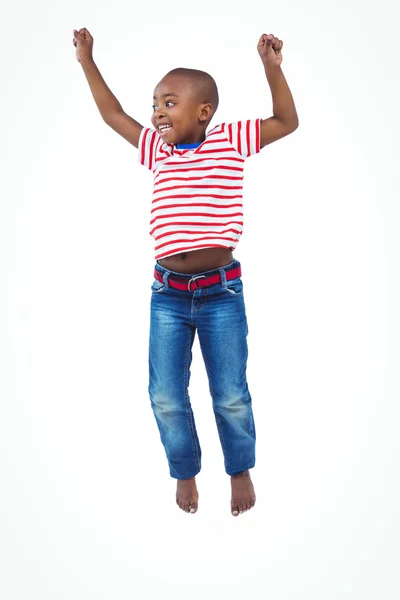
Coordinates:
197 197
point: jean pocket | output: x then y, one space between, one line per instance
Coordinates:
234 287
158 286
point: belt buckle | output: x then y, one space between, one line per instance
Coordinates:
193 279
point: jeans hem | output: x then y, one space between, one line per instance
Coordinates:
186 476
236 472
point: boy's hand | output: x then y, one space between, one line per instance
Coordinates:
83 43
270 50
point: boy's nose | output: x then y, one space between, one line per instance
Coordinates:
159 113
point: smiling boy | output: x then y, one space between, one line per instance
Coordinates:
191 105
196 222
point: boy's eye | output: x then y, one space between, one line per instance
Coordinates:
169 103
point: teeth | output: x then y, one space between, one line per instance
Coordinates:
164 128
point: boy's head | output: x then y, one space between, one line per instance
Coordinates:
185 101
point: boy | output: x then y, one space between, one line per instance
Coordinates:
196 221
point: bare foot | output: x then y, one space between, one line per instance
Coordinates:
243 496
187 495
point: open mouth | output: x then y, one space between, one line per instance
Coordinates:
164 129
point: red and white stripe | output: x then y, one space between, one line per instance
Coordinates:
197 197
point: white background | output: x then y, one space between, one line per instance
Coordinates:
87 504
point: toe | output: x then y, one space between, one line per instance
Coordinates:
193 507
235 510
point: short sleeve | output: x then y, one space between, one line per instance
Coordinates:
244 136
148 142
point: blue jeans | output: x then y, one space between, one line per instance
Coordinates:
218 314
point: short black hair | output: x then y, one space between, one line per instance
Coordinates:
204 85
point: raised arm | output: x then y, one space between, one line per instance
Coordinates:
108 105
285 119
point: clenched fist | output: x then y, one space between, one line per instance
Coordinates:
83 43
270 49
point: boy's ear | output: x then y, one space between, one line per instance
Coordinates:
205 112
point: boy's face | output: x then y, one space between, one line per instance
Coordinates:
178 116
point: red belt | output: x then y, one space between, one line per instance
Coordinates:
201 280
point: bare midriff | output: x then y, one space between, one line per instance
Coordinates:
197 261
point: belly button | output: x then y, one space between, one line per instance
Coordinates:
184 255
